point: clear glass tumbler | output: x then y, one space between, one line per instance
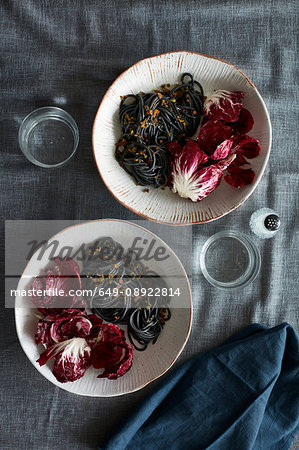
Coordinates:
230 260
48 137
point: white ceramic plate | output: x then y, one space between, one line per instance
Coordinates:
147 365
151 73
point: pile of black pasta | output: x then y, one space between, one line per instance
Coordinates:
149 121
113 274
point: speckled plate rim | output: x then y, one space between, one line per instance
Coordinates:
257 180
63 387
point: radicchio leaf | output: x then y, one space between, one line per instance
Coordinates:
106 354
200 183
77 326
63 276
238 161
36 285
115 358
223 149
63 325
244 123
248 146
112 353
174 148
42 335
211 134
191 147
95 334
111 333
72 359
184 165
223 105
240 178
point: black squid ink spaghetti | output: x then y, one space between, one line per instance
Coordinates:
149 121
125 292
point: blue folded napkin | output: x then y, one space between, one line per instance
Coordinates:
241 395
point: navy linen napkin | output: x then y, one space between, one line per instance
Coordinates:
241 395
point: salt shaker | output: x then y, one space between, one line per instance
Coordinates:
265 223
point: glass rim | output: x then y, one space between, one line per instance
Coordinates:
253 266
63 116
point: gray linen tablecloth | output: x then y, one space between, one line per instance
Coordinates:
67 53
